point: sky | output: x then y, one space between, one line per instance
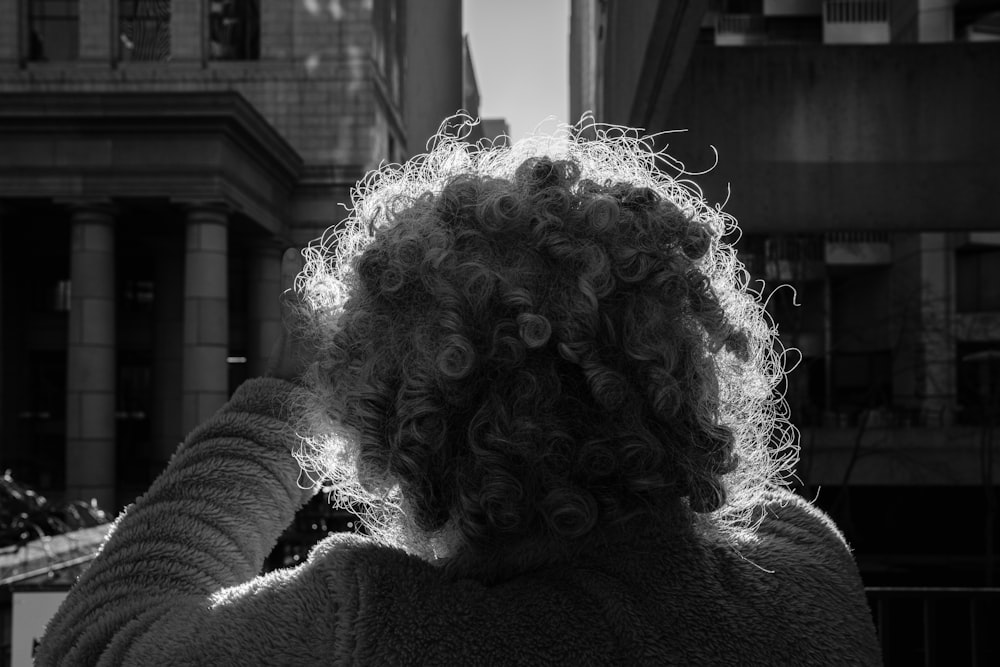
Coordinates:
520 55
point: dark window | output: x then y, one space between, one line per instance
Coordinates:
978 382
138 295
53 30
144 30
234 30
40 437
744 6
388 42
977 280
862 380
133 432
49 294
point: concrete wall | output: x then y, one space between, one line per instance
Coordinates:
629 27
585 59
945 456
922 20
433 68
313 81
827 138
317 82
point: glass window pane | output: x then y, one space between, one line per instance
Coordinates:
53 30
234 30
989 280
144 30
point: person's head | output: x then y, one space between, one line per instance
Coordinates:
531 342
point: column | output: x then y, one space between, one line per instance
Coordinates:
205 373
168 315
3 301
187 31
432 85
922 337
10 33
98 37
937 340
90 361
263 309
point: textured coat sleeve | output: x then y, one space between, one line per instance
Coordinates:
176 581
805 546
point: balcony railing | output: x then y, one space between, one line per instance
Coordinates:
855 11
857 248
740 29
855 22
937 626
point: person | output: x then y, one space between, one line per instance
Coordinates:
539 375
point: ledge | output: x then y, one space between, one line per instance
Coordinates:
181 144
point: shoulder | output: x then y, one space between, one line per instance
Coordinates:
396 608
792 527
797 572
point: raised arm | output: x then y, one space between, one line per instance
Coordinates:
162 583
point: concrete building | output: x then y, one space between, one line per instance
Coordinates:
495 130
155 159
856 144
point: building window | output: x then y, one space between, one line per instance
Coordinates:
978 382
977 280
53 30
144 30
234 29
138 295
387 47
861 380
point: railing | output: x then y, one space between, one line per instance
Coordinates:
937 626
740 24
865 236
855 22
855 11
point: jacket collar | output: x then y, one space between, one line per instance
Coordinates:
502 561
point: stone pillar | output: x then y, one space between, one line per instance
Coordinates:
904 319
168 315
277 35
98 37
923 343
90 361
937 339
3 301
187 31
205 373
264 312
10 33
432 82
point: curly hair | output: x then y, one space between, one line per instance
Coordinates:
534 341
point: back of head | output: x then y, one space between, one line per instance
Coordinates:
532 343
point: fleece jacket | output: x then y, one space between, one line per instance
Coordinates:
177 582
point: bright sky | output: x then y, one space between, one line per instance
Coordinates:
521 56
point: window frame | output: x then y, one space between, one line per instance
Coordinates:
25 17
250 7
118 51
970 281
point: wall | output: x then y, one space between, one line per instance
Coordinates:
433 69
628 31
313 81
854 137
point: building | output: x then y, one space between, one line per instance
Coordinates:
495 130
155 159
854 140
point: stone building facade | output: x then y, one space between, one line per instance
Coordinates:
156 158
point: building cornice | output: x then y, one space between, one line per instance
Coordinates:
182 145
